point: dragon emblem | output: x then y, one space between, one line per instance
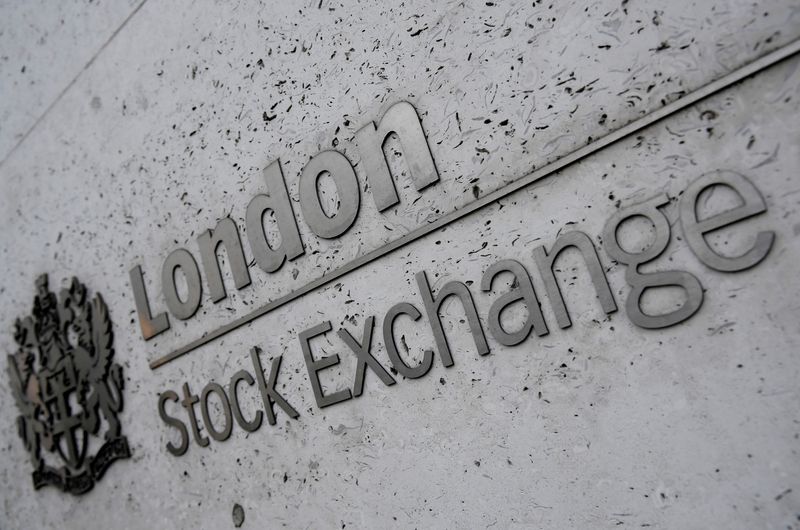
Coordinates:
67 387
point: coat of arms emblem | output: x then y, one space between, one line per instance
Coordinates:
67 387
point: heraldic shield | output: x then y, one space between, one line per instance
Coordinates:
67 388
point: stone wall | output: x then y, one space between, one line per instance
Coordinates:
129 129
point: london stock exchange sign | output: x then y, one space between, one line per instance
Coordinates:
67 385
401 119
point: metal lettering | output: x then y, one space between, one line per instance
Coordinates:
226 234
545 262
344 176
268 393
181 259
364 357
150 326
523 292
225 433
410 372
181 449
233 390
315 366
640 282
433 304
188 403
695 230
402 120
271 257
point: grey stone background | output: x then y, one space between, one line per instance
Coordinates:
127 129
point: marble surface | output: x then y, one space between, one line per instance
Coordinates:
595 426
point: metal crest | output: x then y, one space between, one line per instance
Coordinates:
67 386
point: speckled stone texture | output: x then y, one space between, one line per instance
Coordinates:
120 161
